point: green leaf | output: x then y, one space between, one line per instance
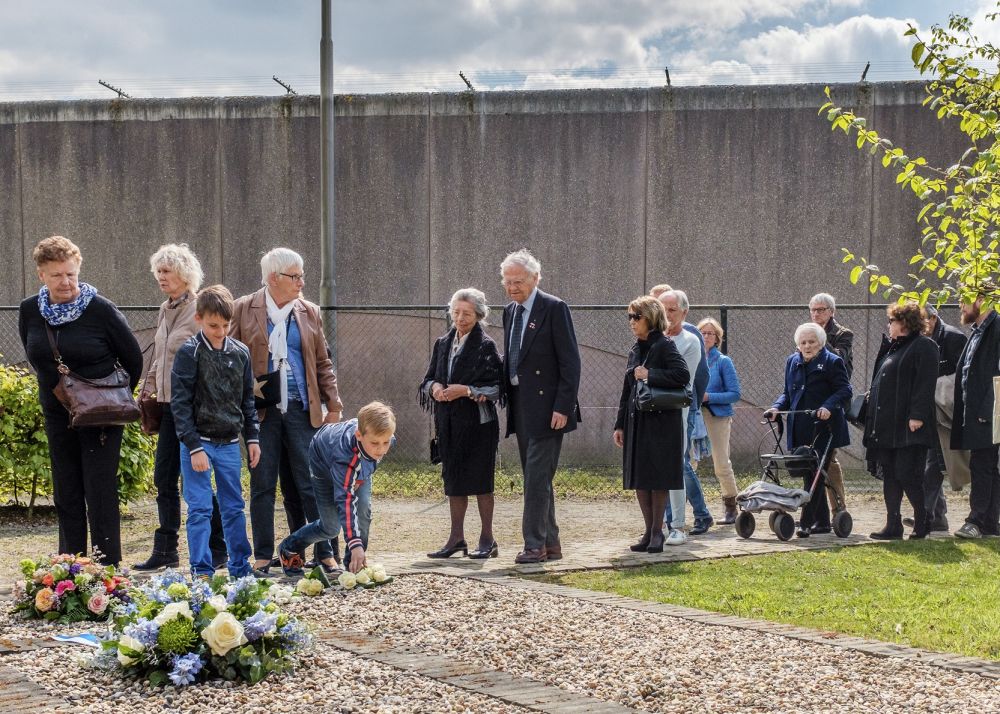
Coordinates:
917 53
856 273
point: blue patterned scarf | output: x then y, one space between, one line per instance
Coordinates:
61 313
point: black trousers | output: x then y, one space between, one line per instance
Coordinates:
166 478
934 499
984 496
85 486
903 472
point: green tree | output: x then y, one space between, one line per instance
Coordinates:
958 256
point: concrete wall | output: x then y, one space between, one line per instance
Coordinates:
738 194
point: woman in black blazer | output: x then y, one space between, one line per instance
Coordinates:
653 442
900 427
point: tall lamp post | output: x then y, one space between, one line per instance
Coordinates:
328 238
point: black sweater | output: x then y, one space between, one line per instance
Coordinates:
90 345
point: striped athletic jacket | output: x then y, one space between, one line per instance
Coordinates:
336 453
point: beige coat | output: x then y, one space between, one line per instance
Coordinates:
173 326
250 327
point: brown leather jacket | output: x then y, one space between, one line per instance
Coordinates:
173 326
250 327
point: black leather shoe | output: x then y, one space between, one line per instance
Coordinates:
803 532
656 543
819 530
447 552
478 554
641 546
328 569
157 561
219 560
887 534
702 526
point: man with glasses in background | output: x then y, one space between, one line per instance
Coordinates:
840 341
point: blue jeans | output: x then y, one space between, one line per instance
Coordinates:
290 433
691 485
226 461
327 526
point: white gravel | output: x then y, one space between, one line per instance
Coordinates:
642 660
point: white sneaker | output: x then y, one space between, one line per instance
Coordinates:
676 537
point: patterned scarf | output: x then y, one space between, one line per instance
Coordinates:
60 313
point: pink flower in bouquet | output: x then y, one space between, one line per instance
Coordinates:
64 586
45 600
109 585
47 580
98 603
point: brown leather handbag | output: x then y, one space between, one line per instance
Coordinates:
150 412
100 402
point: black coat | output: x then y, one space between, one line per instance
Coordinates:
548 369
653 456
950 341
840 341
906 371
972 425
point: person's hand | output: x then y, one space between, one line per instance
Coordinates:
253 454
358 559
199 461
437 390
770 414
823 413
619 438
455 391
704 398
915 424
640 372
332 417
558 421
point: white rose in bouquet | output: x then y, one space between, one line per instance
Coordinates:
129 643
223 633
280 594
309 586
379 575
218 603
363 577
347 580
172 610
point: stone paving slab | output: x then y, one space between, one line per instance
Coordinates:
18 695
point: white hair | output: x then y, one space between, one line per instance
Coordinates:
818 331
474 297
682 299
182 260
524 259
824 299
278 260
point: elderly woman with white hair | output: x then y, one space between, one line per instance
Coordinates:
178 274
816 380
295 380
462 386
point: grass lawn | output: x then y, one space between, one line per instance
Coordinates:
941 595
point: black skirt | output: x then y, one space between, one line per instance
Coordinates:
468 462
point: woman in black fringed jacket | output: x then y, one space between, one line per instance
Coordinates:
899 425
92 336
462 386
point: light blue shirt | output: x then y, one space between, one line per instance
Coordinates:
527 305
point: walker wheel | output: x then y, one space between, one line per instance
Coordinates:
843 523
771 519
784 526
745 524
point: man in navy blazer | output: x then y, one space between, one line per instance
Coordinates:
541 378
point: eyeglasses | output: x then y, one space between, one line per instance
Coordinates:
708 333
819 309
297 277
634 317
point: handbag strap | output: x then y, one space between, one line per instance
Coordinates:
60 365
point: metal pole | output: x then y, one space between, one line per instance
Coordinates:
328 238
724 321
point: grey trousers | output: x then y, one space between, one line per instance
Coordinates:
539 459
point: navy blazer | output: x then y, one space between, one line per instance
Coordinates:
821 382
548 369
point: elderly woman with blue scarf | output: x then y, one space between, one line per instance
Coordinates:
92 336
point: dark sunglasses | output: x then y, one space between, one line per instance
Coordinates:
634 317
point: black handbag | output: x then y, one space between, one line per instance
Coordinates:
857 410
658 399
267 390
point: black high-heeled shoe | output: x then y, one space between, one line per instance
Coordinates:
492 552
447 552
641 546
656 543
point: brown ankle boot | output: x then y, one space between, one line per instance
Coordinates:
729 503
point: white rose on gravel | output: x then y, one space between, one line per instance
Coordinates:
347 580
129 643
223 633
172 610
363 577
309 586
218 603
280 594
379 575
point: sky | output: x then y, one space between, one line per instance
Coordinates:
59 49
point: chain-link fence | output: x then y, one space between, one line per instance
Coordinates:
382 353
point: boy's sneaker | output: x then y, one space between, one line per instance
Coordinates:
291 563
676 537
969 530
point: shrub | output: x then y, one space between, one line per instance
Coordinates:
25 470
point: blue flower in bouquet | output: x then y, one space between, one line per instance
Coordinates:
186 668
143 630
74 569
258 625
234 589
296 635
